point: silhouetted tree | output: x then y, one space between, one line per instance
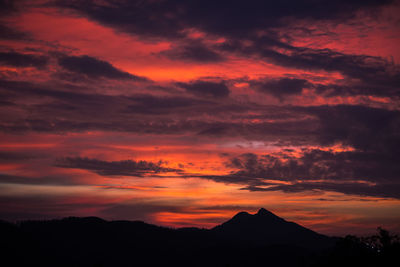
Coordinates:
381 249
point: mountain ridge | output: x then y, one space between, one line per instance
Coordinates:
262 228
266 227
93 241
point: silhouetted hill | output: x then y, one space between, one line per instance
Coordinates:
262 239
264 227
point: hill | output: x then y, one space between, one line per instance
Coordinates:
264 227
262 239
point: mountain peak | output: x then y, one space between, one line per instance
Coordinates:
267 228
264 212
241 214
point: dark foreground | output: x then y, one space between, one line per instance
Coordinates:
262 239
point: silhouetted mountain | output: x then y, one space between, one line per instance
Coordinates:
264 227
262 239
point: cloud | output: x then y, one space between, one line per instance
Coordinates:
6 156
362 127
74 102
349 172
94 68
370 168
161 105
315 164
114 168
382 87
41 180
291 131
254 31
193 51
23 60
8 33
206 89
7 10
7 7
365 75
282 87
230 18
362 67
239 55
387 190
365 128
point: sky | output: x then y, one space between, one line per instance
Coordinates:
183 113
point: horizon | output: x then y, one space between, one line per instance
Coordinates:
365 234
182 113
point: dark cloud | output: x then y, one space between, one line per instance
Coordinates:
6 156
41 180
365 68
151 19
373 133
242 26
69 111
233 178
71 102
362 127
94 68
230 18
194 51
8 33
19 89
7 7
114 168
6 103
384 86
318 165
371 168
289 131
282 87
349 172
150 104
75 111
22 60
206 89
387 190
357 66
10 8
367 75
347 199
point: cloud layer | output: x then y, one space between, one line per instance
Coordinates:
164 108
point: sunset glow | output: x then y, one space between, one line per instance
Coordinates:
184 114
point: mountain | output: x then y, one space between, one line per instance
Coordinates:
264 227
244 240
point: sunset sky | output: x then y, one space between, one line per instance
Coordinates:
183 113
